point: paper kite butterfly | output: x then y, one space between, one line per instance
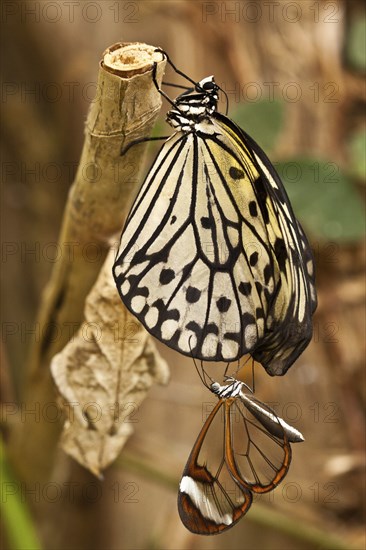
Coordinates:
211 251
254 455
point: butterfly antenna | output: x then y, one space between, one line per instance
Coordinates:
201 373
239 367
249 388
225 372
226 99
253 378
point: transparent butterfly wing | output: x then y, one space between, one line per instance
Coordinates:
210 500
236 453
258 452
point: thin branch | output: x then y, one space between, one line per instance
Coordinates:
125 108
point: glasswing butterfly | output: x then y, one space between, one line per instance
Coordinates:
242 448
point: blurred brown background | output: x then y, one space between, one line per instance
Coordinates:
310 57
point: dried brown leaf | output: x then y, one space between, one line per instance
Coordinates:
103 374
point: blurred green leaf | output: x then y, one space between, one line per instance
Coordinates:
16 519
356 43
160 128
262 120
357 152
324 199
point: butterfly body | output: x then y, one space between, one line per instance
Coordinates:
193 106
211 252
275 425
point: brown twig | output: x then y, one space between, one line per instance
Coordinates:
125 108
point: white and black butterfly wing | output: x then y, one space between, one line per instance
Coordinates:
157 250
288 317
209 500
210 260
182 268
308 262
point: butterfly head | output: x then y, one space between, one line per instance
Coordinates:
215 388
232 389
208 87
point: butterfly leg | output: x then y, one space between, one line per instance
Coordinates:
174 67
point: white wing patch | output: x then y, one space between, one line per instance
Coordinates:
209 509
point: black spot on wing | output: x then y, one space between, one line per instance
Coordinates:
253 209
193 294
267 272
262 197
253 259
245 288
223 304
236 173
206 222
280 253
166 276
173 220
